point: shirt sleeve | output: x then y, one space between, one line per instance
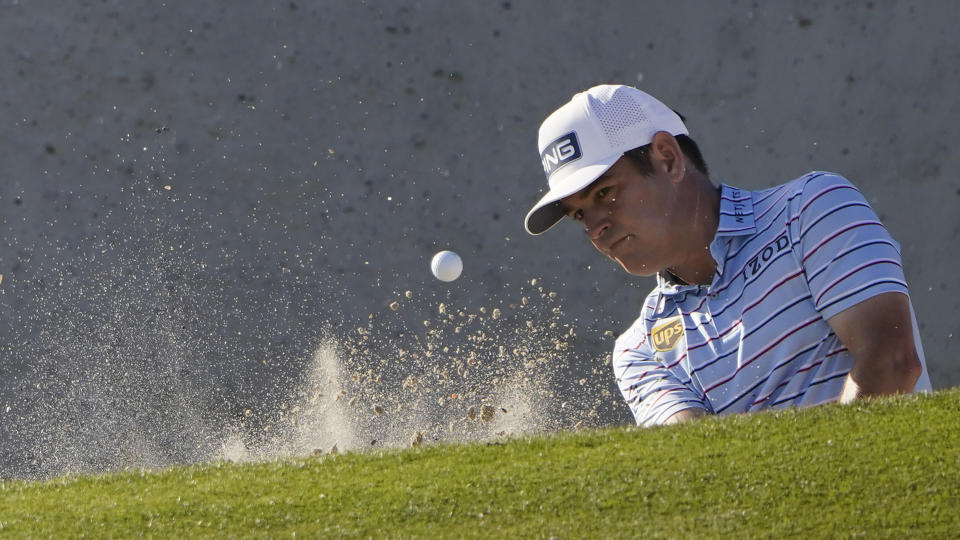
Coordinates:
846 252
653 391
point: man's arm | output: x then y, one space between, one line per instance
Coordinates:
878 333
685 416
655 394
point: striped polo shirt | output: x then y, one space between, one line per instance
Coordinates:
788 258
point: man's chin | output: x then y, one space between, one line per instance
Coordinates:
639 270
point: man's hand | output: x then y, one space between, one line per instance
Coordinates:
878 333
685 415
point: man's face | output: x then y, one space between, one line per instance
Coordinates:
630 217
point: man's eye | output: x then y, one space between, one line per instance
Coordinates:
603 192
577 215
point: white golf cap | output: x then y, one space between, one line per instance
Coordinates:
583 138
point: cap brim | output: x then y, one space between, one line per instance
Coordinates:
549 211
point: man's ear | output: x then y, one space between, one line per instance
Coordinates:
667 156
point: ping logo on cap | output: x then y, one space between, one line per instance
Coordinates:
560 152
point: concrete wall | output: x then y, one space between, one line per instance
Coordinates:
209 190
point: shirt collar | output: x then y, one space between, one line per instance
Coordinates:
736 212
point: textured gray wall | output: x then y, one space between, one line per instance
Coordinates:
215 188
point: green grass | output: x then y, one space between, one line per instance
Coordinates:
885 468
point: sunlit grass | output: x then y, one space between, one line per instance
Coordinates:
886 468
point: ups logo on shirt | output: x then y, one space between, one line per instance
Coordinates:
666 334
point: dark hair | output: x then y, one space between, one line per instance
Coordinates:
641 156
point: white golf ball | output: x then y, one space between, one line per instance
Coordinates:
446 266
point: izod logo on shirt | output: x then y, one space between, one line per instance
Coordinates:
666 334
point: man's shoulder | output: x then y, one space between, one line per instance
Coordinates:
797 194
821 189
818 181
812 179
638 328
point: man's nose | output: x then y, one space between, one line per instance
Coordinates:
596 224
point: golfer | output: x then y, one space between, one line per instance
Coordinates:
788 296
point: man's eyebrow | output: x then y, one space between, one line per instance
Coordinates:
606 174
585 192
